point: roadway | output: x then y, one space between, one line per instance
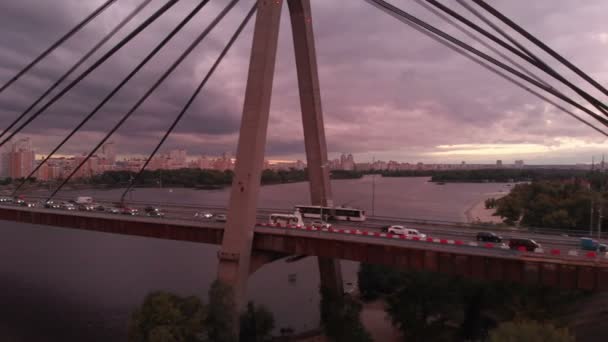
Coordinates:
437 230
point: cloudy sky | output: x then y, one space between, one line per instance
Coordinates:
388 92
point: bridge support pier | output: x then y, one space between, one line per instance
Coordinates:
314 128
235 254
235 260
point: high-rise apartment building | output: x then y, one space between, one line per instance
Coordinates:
18 161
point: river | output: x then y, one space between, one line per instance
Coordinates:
68 285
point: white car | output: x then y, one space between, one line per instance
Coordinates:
321 225
204 215
401 230
221 218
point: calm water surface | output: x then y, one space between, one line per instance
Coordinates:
68 285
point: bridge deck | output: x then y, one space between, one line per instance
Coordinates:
463 260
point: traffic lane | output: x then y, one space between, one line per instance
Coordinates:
447 232
480 249
467 236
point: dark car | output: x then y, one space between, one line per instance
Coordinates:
148 210
488 237
155 213
529 244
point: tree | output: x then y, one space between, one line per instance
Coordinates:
166 317
377 280
340 318
257 324
529 331
509 209
219 319
423 305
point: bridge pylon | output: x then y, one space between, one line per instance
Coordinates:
235 254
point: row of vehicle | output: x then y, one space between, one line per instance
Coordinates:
83 204
587 244
528 244
205 215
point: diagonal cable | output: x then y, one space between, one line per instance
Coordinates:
191 100
78 64
180 59
487 66
132 74
122 43
495 27
406 16
61 40
480 41
536 61
540 44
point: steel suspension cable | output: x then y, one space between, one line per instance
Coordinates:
498 72
154 52
106 56
61 40
78 64
386 6
495 28
191 100
480 41
536 61
180 59
540 44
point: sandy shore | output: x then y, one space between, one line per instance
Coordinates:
479 213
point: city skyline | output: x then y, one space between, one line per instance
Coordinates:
19 159
382 99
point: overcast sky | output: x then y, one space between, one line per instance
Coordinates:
388 92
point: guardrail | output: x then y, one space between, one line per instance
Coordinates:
549 254
376 221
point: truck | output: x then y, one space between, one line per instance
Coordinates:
589 244
84 200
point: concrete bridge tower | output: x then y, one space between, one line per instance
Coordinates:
235 255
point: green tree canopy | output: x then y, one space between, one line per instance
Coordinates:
257 324
377 280
529 331
220 320
166 317
340 317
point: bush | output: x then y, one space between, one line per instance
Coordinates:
377 280
530 331
257 324
166 317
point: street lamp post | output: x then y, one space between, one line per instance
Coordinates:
373 186
591 218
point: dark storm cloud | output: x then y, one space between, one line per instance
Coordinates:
387 90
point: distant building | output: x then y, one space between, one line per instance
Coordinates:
108 153
223 163
177 159
519 164
18 161
499 163
204 163
363 166
347 162
3 165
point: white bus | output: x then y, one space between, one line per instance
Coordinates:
285 219
327 213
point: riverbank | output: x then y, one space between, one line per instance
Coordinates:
376 322
478 213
